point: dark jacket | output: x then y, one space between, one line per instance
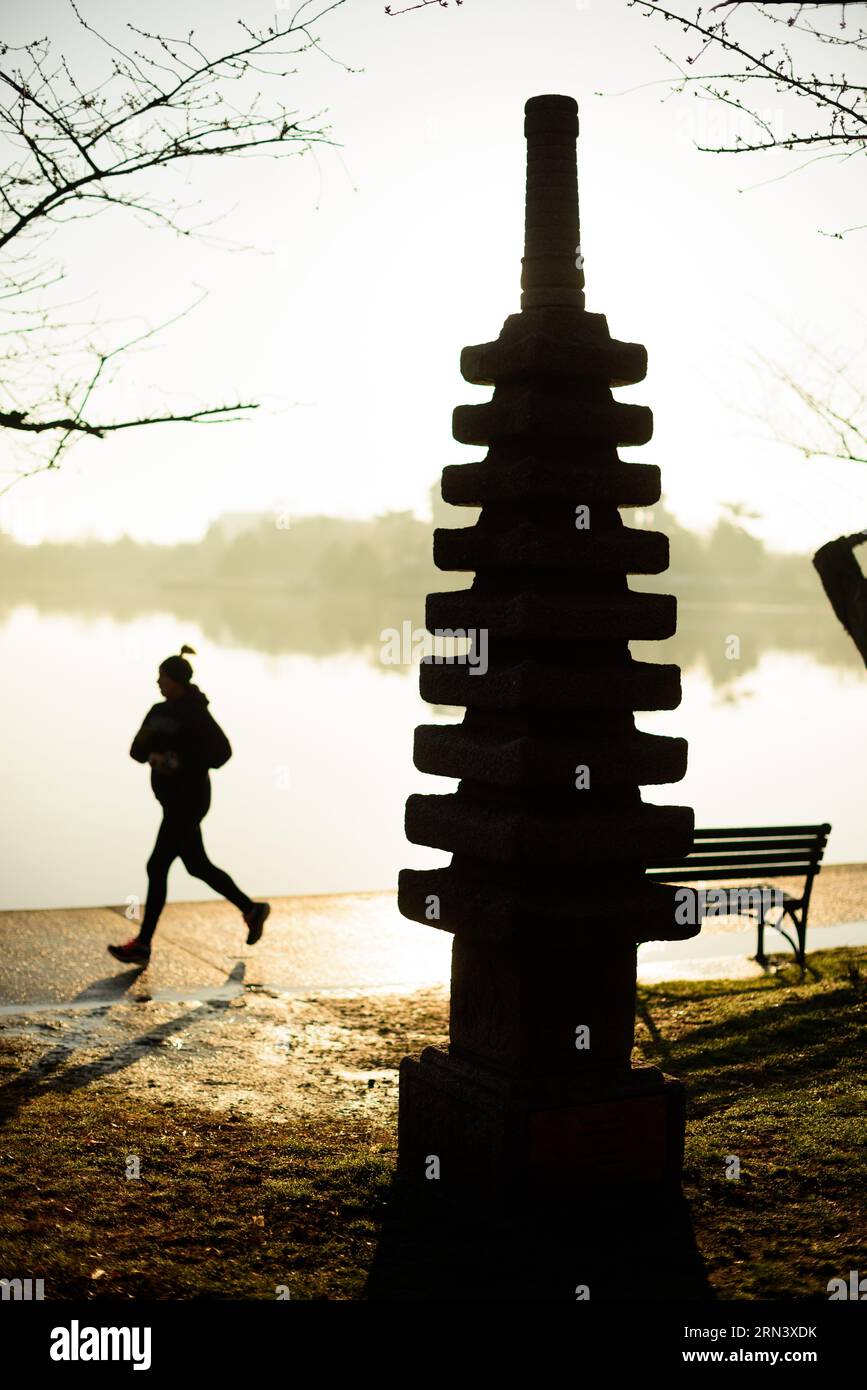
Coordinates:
185 728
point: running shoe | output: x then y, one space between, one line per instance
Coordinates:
255 920
131 952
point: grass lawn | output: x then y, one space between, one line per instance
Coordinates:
235 1209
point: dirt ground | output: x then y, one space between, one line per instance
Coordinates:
262 1055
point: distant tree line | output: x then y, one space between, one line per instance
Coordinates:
388 555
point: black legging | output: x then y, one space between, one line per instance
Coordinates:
180 837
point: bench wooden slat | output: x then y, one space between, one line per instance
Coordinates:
762 888
683 875
759 831
779 856
803 848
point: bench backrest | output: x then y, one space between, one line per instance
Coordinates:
766 851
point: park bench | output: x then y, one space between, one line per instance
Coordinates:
752 854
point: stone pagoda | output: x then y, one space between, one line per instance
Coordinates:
546 893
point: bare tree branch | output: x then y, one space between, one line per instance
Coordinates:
832 420
72 149
761 54
419 5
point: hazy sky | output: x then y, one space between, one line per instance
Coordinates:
377 260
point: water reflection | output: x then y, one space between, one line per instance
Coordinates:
313 801
724 640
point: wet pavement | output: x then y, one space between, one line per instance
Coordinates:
316 1015
314 1018
350 941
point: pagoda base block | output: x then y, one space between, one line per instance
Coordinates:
467 1134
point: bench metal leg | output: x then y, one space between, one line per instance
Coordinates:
801 929
798 945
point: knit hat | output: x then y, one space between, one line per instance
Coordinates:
177 667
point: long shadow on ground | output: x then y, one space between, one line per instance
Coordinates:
644 1251
761 1050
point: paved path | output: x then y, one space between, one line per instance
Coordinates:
352 941
355 942
313 1020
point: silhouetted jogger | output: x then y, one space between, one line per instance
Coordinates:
182 741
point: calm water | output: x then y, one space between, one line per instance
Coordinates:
312 801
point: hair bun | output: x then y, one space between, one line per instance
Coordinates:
185 649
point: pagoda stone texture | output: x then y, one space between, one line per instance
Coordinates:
546 894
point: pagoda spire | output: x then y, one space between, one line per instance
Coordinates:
552 272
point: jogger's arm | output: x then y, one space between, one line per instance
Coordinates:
142 745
